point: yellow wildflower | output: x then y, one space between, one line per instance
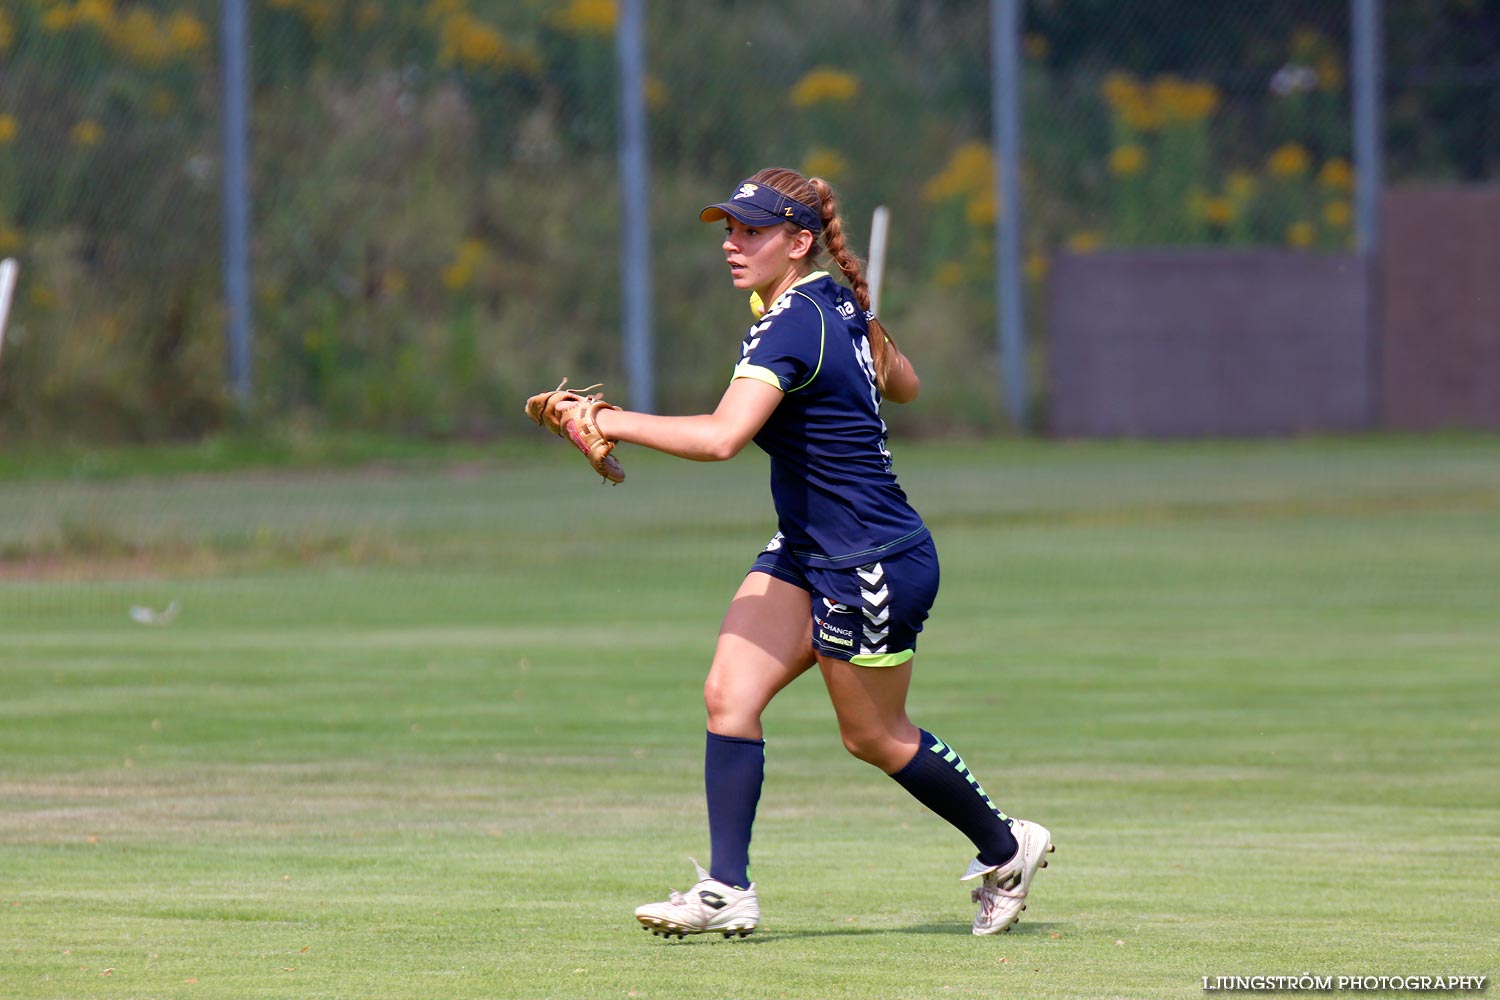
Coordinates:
589 17
186 34
1038 267
969 170
982 208
826 163
320 15
1141 115
1338 213
368 15
1176 99
1306 43
1337 175
824 84
8 128
656 92
1131 102
57 19
136 35
1241 185
949 274
11 240
460 273
1330 70
1120 89
1300 234
99 13
466 41
1288 161
1127 161
87 132
1087 241
1220 211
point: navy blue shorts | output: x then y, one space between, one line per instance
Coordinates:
869 615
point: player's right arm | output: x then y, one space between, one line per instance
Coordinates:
707 437
901 382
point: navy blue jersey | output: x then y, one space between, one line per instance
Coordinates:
836 497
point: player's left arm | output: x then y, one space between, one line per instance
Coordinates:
707 437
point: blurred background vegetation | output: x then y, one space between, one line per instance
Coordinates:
436 207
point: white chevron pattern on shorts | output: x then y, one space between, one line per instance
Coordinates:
874 596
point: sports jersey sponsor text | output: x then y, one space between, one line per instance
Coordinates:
834 640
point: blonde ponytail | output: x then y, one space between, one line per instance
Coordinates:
815 193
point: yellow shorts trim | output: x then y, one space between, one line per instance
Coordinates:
882 659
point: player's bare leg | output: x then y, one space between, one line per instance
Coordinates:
765 643
870 703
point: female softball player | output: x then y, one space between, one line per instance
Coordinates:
850 575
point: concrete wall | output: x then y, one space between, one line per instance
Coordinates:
1192 343
1440 306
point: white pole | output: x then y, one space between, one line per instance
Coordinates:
880 227
8 270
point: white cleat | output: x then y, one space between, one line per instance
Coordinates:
1002 894
709 906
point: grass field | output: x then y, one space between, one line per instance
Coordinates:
432 730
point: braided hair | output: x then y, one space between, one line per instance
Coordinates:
816 194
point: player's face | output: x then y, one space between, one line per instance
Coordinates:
759 258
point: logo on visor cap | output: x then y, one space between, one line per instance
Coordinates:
759 205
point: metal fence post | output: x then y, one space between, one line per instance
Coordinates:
1005 51
1367 87
235 48
1367 41
635 203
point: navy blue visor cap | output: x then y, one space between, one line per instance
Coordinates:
761 205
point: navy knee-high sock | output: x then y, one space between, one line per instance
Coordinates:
733 770
938 778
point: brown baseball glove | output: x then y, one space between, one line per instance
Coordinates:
570 414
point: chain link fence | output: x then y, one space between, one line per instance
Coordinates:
108 198
436 202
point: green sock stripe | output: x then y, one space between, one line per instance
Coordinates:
963 769
951 756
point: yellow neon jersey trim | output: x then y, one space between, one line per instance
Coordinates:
756 372
822 340
758 308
